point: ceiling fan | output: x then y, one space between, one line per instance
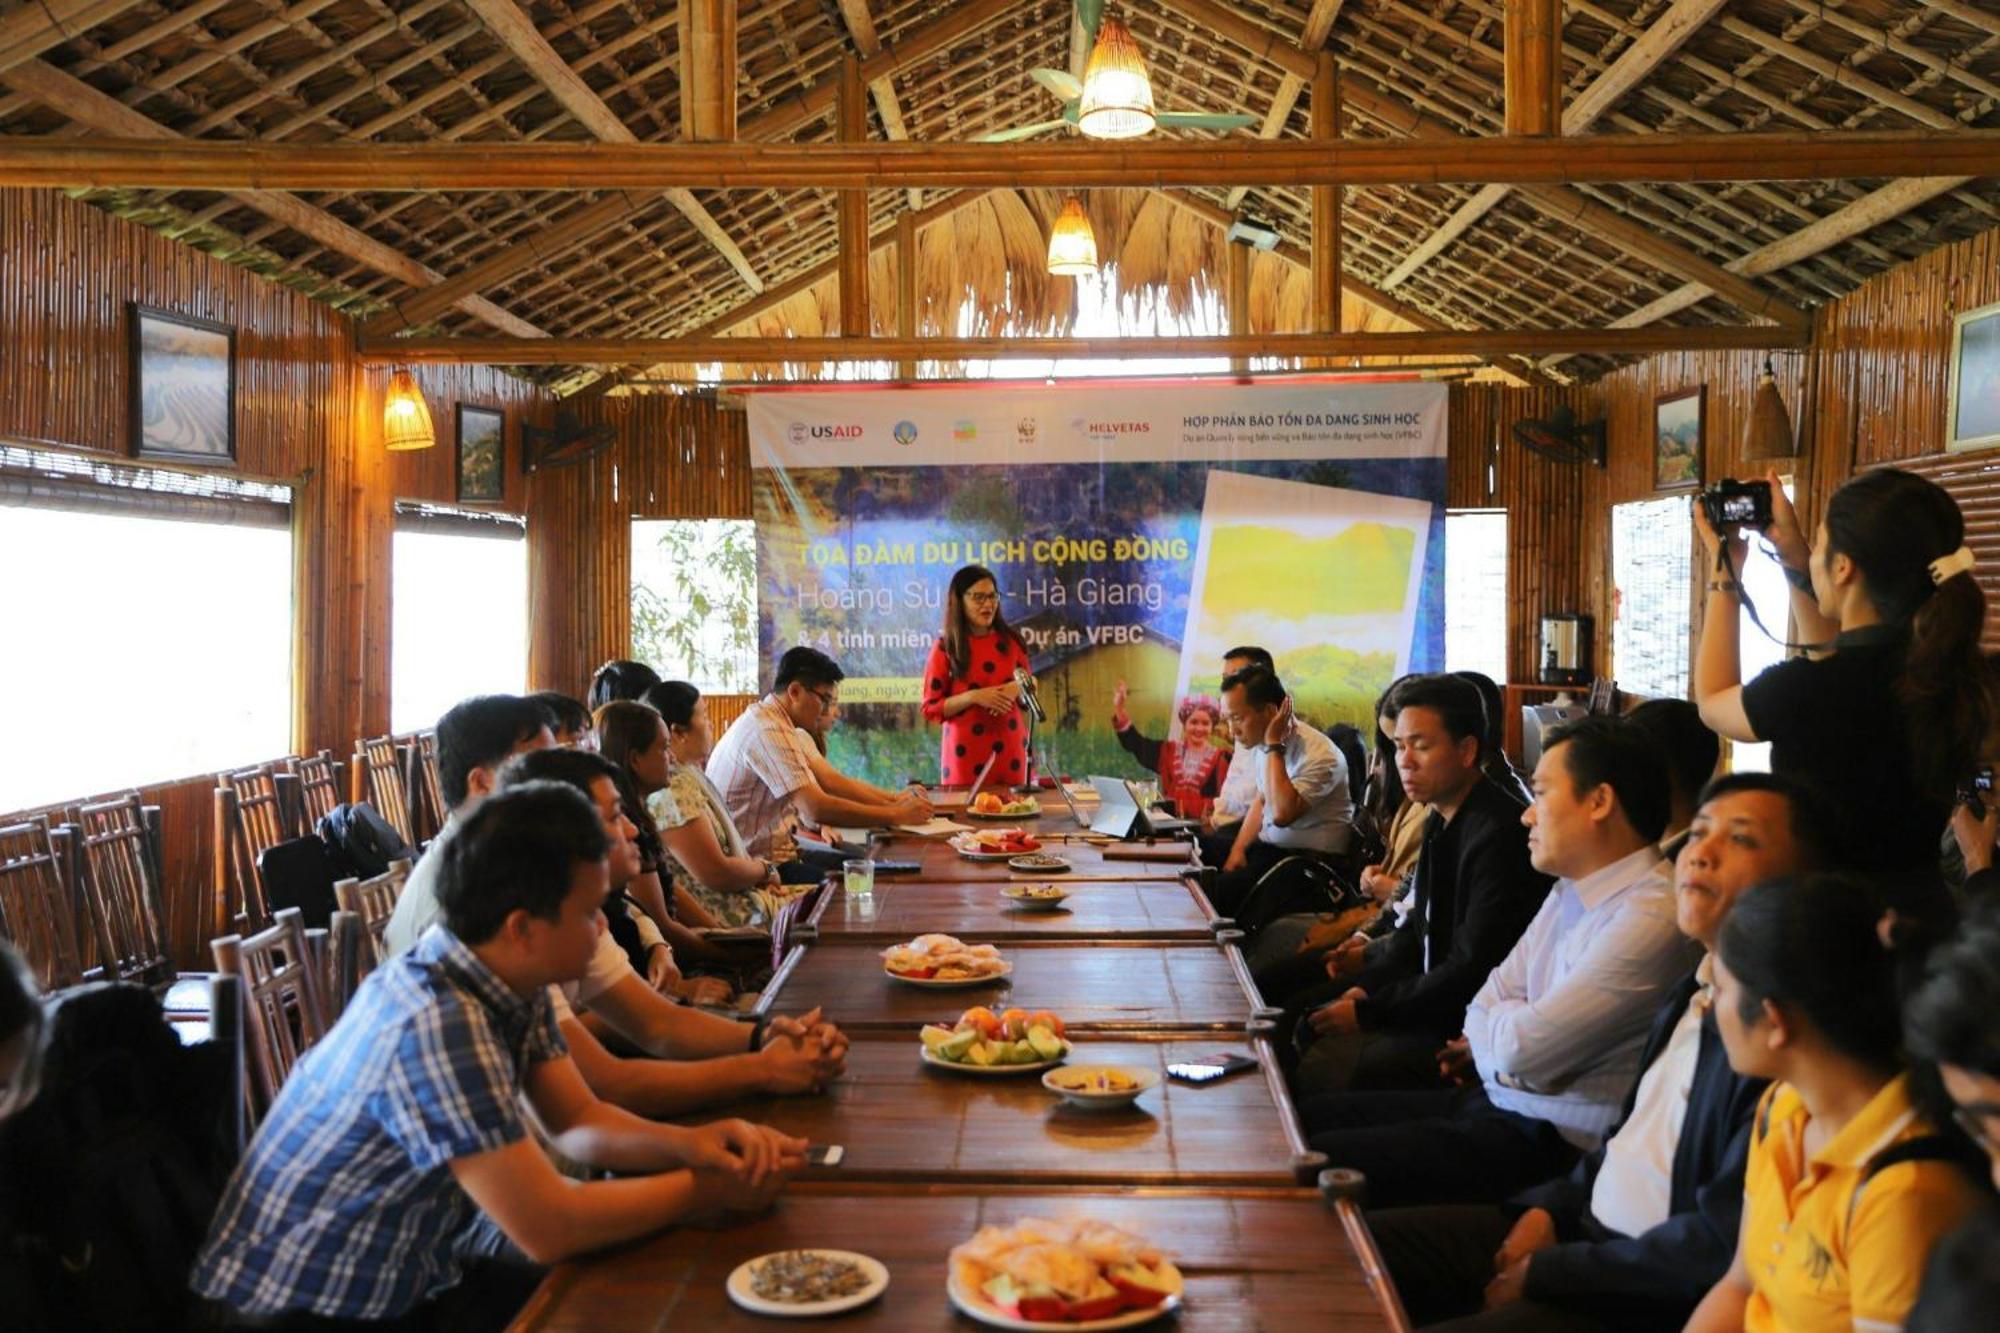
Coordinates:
1114 60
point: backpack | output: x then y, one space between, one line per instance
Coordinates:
300 872
109 1179
360 842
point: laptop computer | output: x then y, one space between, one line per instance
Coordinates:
1120 815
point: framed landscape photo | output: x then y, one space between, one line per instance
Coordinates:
482 454
183 387
1972 411
1679 422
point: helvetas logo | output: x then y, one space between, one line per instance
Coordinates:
906 432
1106 430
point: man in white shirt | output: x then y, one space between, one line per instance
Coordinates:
1302 805
1239 784
1639 1231
1554 1035
771 776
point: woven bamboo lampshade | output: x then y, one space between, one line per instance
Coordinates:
1117 98
406 421
1072 244
1770 434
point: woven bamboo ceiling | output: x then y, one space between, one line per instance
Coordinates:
461 71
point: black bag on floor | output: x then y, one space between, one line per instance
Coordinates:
300 872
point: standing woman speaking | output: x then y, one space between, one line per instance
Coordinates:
969 684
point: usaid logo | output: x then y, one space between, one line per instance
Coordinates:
800 433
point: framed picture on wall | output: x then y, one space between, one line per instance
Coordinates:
482 454
1972 411
1679 423
183 387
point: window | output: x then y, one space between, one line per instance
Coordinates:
1764 583
1475 591
694 601
149 626
1652 569
458 611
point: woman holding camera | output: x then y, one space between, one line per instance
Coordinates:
1887 711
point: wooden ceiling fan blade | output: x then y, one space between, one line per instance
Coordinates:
1205 120
1060 82
1089 13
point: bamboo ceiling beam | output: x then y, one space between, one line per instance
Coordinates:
30 29
906 287
72 97
44 161
851 207
517 32
1667 35
708 69
861 27
800 351
1312 36
1533 66
1326 251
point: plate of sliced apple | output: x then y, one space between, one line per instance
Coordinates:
1015 1041
1074 1274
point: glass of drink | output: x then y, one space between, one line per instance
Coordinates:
858 877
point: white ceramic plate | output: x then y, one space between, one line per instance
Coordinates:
1144 1079
954 983
1021 894
1026 865
1033 811
972 1303
961 1067
740 1292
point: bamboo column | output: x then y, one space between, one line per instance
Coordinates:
708 70
1237 294
906 288
1325 109
852 206
1534 66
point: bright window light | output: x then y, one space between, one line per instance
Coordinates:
1652 568
459 619
140 650
1475 591
694 601
1764 583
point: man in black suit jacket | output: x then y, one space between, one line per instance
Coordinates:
1404 995
1636 1234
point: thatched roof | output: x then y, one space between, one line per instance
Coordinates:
318 70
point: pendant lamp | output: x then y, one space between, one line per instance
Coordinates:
1117 100
1072 244
406 421
1770 434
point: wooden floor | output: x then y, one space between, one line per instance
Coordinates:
1135 964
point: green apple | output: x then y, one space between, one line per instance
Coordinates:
956 1046
1046 1044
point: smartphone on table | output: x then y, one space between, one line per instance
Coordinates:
1209 1068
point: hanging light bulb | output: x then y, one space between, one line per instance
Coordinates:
1770 423
1117 100
1072 244
406 422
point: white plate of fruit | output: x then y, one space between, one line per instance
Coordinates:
1017 1041
1075 1274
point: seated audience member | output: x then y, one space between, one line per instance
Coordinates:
1398 820
1302 806
1843 1197
705 852
397 1154
698 1059
1892 717
1639 1231
633 738
620 679
1493 746
1692 751
569 720
1961 1291
1192 769
1476 890
1239 782
474 739
1555 1033
23 1030
770 776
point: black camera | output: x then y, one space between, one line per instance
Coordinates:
1738 504
1973 794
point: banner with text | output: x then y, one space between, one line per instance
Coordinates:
1136 531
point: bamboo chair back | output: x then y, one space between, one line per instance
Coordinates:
349 958
380 768
426 792
254 812
373 901
283 1015
120 883
37 906
319 788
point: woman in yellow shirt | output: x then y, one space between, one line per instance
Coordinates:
1846 1192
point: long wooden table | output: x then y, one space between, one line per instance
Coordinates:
1130 910
1097 985
938 861
1265 1261
900 1119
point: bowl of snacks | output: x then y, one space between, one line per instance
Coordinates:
1035 896
1014 1041
990 805
1039 863
1100 1087
1076 1274
803 1284
943 962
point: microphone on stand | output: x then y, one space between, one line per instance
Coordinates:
1028 695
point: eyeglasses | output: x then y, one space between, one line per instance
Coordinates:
825 697
983 598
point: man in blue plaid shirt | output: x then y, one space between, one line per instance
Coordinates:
398 1152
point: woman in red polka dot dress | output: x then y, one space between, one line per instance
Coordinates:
969 685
